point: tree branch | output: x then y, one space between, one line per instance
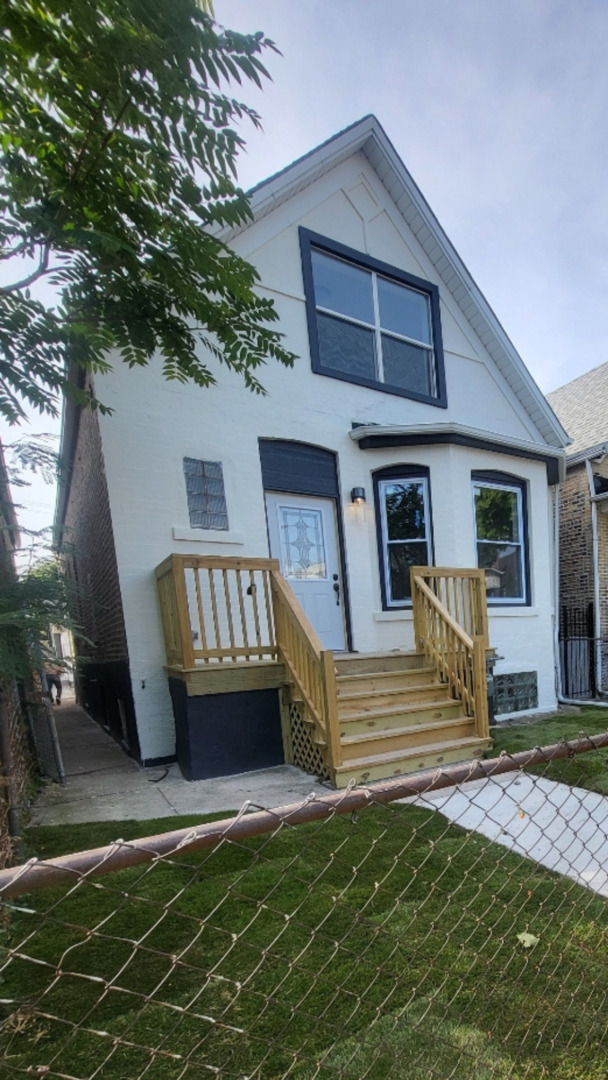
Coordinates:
42 269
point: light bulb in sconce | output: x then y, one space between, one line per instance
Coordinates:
358 495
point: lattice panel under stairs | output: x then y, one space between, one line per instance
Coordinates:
306 754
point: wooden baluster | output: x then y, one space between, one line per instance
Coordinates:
268 606
229 612
201 612
216 622
239 586
256 616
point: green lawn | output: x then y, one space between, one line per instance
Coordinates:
588 770
380 947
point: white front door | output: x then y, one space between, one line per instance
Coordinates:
304 538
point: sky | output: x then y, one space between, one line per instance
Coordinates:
498 108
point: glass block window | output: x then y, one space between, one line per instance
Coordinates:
515 692
206 496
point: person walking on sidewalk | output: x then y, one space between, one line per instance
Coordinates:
52 670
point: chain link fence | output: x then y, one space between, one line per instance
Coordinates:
451 924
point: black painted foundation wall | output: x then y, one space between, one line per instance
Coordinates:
104 690
226 734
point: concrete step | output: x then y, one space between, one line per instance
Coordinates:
385 680
384 719
405 739
375 700
364 770
358 663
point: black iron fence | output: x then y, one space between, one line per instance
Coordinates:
578 652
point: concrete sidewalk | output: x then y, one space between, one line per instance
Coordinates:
103 784
562 828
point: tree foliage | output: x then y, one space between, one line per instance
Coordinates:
118 167
30 602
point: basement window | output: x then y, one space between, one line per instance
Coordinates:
205 493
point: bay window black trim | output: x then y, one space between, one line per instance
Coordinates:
507 480
310 240
399 472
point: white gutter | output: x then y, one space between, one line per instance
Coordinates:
452 427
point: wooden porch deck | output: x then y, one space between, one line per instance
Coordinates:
233 624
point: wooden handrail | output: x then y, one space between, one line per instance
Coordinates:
458 657
310 667
444 613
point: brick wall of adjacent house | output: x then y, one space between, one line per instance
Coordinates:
600 468
575 540
103 670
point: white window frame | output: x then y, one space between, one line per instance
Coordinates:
518 491
382 484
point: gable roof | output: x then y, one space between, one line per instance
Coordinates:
368 137
582 407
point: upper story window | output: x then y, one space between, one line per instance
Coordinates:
372 324
205 493
501 536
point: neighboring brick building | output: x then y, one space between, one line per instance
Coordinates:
582 408
85 523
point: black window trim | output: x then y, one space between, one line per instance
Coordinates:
507 480
310 240
399 472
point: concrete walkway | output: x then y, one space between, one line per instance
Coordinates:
103 784
560 827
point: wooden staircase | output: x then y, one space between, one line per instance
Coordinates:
396 717
359 716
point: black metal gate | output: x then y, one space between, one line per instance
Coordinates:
577 652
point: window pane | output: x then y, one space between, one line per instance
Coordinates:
342 287
407 366
502 564
400 558
205 494
496 514
404 511
404 311
302 543
345 347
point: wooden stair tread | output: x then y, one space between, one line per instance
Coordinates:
387 675
471 742
374 655
398 710
391 733
393 691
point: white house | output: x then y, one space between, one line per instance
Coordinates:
409 433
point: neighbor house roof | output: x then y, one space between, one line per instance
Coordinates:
582 407
369 138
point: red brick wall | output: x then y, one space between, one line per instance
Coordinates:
92 557
575 540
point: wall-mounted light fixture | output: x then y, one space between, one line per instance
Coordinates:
358 495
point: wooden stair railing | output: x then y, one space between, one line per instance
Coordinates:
310 666
222 610
459 657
